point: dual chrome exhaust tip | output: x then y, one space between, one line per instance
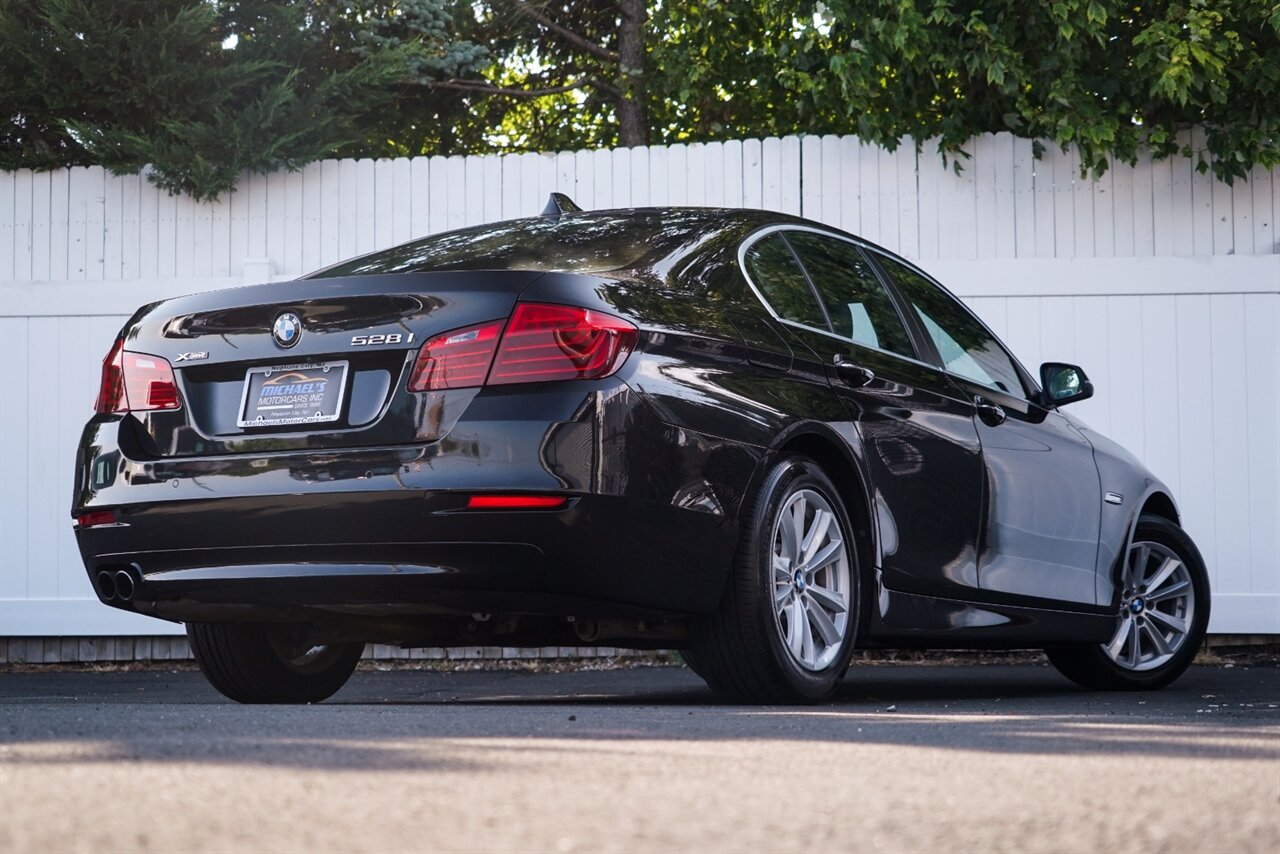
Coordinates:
118 585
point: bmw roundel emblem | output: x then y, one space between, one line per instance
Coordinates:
287 329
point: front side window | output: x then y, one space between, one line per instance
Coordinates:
966 347
858 305
774 270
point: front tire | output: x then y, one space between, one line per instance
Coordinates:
270 663
786 626
1163 615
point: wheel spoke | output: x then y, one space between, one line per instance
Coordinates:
1173 590
796 624
1138 567
826 628
1117 642
787 535
1135 644
815 535
1157 640
798 508
781 569
1167 568
826 555
1179 626
806 633
780 593
828 599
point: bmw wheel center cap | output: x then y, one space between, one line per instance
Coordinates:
287 329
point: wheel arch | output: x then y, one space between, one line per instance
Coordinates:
1156 501
1160 503
832 453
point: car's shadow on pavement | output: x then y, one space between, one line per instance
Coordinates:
866 687
432 720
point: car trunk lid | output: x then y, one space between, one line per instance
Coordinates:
346 364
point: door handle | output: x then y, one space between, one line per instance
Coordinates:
854 375
992 414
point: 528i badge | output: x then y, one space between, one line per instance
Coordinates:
375 340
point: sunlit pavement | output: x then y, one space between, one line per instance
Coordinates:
907 758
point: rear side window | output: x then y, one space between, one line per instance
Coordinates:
966 347
857 303
774 270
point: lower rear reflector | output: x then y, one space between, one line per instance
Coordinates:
97 517
516 502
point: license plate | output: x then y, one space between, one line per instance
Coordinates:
293 394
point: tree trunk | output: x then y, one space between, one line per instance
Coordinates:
633 115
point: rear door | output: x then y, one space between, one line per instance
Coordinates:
1043 496
921 448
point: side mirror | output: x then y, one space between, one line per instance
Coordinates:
1062 384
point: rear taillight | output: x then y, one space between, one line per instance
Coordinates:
540 343
149 383
111 389
135 382
458 359
560 342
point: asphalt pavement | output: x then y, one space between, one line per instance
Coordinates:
907 758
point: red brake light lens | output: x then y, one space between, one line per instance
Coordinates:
111 388
136 382
540 342
457 359
560 342
149 383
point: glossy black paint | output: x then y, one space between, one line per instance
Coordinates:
980 528
922 459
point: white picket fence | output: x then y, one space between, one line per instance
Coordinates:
1162 282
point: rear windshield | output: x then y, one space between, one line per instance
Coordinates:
579 243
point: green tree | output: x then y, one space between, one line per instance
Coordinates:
1108 76
1111 77
587 73
566 74
201 91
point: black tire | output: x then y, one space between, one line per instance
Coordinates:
1090 666
740 652
262 662
690 660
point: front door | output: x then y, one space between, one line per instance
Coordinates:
1041 515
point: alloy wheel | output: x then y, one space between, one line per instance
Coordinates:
1157 608
812 584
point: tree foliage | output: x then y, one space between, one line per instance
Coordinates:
202 90
1110 77
710 70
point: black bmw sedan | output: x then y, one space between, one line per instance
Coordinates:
740 434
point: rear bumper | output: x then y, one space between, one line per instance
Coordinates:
379 553
650 527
